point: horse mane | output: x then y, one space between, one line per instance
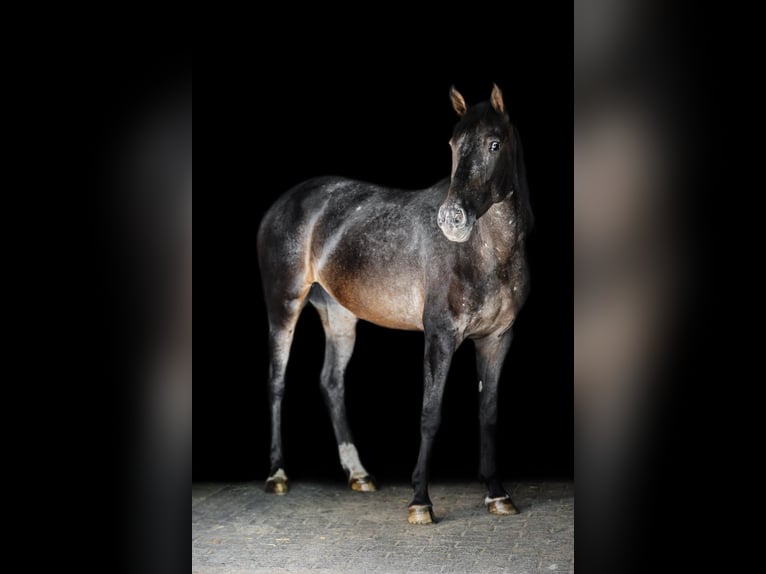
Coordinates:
523 204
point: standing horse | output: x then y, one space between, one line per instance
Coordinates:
448 260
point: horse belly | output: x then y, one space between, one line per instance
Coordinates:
375 295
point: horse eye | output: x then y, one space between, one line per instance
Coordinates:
494 146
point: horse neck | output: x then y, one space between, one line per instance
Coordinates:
499 228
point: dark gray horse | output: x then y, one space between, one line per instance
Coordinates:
448 260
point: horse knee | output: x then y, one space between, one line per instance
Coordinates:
331 382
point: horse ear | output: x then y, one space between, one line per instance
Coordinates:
497 99
457 101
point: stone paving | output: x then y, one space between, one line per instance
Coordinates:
323 527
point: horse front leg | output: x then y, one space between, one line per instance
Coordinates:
490 356
439 348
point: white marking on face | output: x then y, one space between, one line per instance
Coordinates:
349 460
480 385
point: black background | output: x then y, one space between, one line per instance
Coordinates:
387 120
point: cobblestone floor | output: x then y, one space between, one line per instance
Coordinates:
318 527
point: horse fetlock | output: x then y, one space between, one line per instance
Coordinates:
349 460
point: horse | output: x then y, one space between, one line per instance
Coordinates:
449 260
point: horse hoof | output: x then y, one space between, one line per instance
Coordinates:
501 506
362 483
420 514
277 484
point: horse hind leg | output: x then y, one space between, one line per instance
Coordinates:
285 299
283 315
340 335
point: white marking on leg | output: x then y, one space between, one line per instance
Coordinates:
480 385
279 475
349 460
487 499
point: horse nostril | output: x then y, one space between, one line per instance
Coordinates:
459 217
442 216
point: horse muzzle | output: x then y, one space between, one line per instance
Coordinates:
454 222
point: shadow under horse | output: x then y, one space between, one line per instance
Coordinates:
449 261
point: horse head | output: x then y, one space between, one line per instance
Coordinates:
482 164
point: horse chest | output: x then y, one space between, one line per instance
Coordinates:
485 302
